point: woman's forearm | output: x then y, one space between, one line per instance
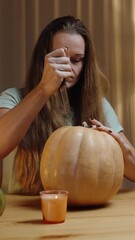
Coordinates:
129 157
128 154
15 123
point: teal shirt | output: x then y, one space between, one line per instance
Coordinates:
12 96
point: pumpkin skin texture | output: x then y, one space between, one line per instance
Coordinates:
87 163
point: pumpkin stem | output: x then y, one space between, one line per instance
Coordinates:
85 124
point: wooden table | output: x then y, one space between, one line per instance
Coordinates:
22 219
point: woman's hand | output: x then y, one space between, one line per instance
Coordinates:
56 68
127 149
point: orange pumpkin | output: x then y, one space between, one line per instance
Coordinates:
86 162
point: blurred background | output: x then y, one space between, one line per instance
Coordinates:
112 26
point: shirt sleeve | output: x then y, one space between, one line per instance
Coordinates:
111 119
10 98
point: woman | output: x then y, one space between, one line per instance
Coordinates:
63 56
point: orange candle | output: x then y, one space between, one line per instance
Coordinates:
54 205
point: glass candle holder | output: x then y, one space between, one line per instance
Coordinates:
54 205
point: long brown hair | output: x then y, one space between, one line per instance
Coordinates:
85 99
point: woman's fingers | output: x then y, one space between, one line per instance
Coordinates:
63 74
95 124
61 67
60 52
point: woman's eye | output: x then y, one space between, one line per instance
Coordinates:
75 61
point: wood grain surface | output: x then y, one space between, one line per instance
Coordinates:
22 219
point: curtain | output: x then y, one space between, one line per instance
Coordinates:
112 27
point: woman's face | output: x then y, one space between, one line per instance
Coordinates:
75 52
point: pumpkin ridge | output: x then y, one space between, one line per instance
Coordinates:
79 163
76 160
113 188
